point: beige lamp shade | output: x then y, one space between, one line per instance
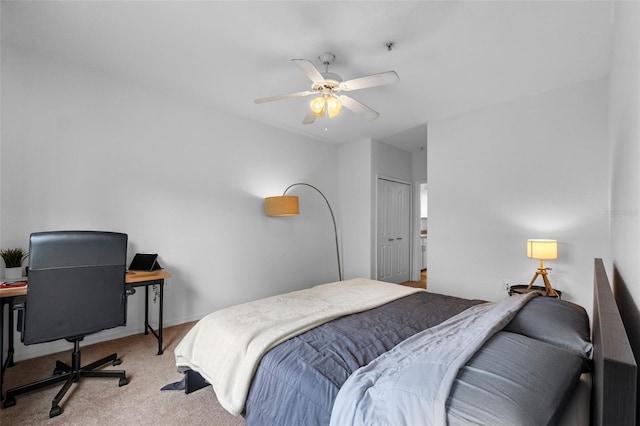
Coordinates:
283 205
542 249
334 106
317 106
331 104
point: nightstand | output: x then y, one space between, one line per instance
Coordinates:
522 289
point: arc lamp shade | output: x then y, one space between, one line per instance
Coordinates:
283 205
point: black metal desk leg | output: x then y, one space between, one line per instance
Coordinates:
10 348
146 309
160 317
1 348
147 327
8 362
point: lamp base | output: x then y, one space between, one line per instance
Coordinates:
543 272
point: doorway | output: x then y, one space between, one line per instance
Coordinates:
393 248
423 233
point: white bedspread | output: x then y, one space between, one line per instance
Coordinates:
226 346
410 384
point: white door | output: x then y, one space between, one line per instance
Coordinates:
393 223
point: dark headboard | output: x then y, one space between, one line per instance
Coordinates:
615 370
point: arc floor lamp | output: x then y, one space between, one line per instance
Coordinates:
287 205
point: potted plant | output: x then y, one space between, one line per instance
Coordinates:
13 259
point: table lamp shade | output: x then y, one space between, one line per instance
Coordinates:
542 249
283 205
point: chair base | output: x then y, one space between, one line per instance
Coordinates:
68 374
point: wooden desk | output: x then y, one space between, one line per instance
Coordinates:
12 291
132 279
146 279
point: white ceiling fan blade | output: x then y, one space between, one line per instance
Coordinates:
373 80
310 118
278 97
310 70
358 107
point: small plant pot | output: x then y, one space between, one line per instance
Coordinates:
13 273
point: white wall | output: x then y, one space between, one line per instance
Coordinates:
625 146
392 162
83 151
625 159
356 214
419 165
532 168
361 162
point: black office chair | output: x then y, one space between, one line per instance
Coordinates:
76 287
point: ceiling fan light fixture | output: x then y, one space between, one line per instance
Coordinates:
334 106
317 106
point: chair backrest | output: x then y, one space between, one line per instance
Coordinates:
76 284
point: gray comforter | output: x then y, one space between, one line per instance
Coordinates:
297 381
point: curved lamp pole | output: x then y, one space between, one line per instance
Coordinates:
286 205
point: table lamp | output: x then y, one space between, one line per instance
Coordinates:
542 250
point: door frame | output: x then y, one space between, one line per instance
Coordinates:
412 227
415 232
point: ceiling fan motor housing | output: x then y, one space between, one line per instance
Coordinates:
331 82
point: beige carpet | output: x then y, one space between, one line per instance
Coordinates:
98 401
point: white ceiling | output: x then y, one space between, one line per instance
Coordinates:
451 56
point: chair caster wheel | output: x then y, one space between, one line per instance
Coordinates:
9 401
116 362
123 382
55 411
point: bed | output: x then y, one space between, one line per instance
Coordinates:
366 352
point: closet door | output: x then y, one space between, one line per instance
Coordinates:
393 226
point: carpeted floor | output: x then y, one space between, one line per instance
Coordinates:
98 401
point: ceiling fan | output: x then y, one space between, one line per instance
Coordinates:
326 87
